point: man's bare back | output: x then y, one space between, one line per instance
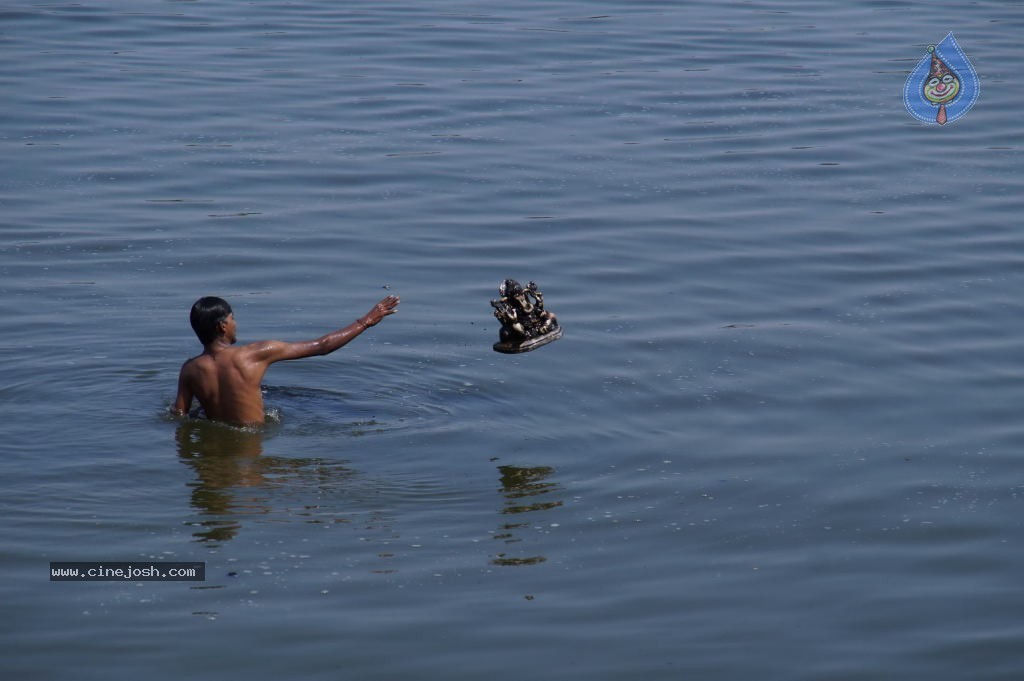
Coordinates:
226 379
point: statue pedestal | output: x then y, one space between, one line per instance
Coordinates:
510 348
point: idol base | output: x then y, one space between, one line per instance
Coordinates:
509 348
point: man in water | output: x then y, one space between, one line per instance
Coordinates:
226 379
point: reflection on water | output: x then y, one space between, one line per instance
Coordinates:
224 459
234 479
522 487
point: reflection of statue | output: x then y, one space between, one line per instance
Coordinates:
525 324
519 485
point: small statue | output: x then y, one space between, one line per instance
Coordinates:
525 324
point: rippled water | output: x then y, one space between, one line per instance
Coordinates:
778 440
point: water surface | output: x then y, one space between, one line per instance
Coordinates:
777 441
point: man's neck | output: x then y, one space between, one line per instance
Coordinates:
217 346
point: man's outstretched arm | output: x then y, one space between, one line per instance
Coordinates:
269 352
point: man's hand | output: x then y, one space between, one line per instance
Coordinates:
385 307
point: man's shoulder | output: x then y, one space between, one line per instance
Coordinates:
200 362
258 351
238 354
192 365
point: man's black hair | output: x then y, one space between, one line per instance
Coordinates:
207 314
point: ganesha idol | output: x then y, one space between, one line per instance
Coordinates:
525 324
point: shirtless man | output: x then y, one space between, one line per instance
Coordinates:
226 379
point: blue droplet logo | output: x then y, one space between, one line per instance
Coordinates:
943 86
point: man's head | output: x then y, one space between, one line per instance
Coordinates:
209 319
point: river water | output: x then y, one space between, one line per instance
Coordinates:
778 439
